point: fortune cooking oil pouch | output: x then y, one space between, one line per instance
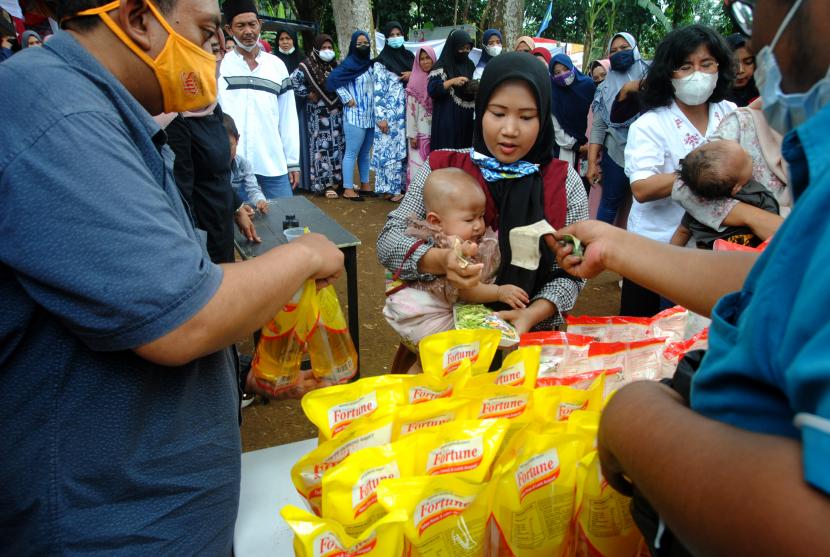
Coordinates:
535 480
276 364
307 473
349 488
409 419
557 403
518 370
465 448
603 523
422 388
444 516
318 537
442 353
332 409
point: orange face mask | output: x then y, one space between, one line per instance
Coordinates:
185 72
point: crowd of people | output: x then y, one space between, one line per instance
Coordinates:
121 387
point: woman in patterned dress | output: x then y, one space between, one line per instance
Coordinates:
324 118
392 70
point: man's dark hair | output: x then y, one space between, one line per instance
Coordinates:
66 9
230 126
657 89
704 172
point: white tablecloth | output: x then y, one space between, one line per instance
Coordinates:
266 488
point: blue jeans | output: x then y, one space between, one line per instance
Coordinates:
358 146
274 186
615 188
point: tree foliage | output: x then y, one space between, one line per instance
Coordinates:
569 23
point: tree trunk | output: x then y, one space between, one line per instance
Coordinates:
508 16
465 19
349 16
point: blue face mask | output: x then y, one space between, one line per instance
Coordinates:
622 60
395 42
783 111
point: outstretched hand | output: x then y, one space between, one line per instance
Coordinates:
595 237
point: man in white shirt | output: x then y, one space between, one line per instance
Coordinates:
255 89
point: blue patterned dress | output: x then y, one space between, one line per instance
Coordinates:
389 149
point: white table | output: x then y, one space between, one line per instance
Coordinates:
266 488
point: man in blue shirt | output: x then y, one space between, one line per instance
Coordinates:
118 396
746 470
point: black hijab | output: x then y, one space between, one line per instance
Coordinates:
291 60
447 62
396 60
520 201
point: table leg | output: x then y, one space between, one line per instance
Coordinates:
350 254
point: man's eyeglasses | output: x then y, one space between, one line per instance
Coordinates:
741 12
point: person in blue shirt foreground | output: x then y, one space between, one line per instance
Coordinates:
746 470
119 401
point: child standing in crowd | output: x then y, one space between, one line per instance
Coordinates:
715 171
392 70
454 205
419 111
243 178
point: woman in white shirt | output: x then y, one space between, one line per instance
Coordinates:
683 98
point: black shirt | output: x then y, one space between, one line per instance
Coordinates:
203 174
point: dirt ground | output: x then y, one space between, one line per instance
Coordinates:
278 422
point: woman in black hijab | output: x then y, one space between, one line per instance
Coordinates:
522 183
452 100
288 51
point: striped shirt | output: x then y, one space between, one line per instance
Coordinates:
362 91
393 243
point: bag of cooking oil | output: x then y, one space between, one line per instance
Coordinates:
603 523
307 474
276 364
518 370
349 488
464 448
535 483
319 537
444 515
558 403
442 353
332 409
423 388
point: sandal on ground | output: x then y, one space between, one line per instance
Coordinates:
331 194
396 198
354 197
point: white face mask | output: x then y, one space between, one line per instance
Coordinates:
326 55
786 111
494 50
289 51
246 48
695 89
